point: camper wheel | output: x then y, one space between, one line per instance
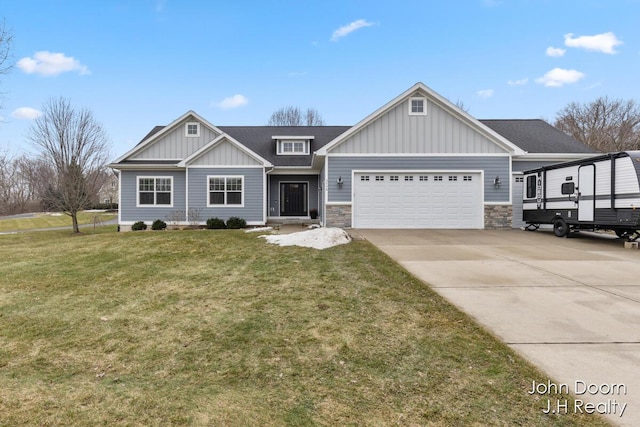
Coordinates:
560 228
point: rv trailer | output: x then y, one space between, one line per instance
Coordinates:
601 192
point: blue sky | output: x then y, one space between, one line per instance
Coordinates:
137 64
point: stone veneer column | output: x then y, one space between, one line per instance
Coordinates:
498 216
338 216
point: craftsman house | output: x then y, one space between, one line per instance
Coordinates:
416 162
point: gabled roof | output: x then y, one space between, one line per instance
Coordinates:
444 103
537 136
219 140
158 131
259 140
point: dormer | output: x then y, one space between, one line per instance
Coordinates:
292 145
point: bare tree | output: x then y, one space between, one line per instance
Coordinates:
75 145
604 124
294 116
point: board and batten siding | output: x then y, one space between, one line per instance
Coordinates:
129 212
175 145
224 154
253 209
491 165
439 131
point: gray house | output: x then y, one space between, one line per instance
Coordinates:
417 162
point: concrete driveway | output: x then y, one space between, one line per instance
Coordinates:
570 306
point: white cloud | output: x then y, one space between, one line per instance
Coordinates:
51 64
605 42
27 113
520 82
559 77
485 93
555 51
349 28
234 101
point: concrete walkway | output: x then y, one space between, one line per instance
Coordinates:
570 306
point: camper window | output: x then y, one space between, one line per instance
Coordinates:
531 187
568 188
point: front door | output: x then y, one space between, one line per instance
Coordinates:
293 199
586 192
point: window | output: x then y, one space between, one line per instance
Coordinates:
568 188
408 178
531 187
225 191
417 106
519 179
467 178
424 178
453 178
155 191
437 178
393 178
379 177
192 129
293 147
364 178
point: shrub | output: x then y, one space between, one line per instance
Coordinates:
215 223
235 222
158 224
140 225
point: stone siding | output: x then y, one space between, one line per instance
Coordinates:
498 216
338 216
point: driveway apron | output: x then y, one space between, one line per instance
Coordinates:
570 306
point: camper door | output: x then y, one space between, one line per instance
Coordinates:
586 192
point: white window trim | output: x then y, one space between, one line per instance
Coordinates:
281 152
424 105
154 205
186 130
241 205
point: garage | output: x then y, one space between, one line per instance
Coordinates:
418 200
516 198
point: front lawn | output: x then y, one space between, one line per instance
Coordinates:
53 220
216 327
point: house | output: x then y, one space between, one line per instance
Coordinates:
108 192
417 162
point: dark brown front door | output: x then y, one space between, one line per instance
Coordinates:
293 199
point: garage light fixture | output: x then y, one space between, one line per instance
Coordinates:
496 182
340 181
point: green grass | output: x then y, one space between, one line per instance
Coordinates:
43 220
211 327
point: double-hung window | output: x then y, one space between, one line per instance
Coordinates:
155 191
226 191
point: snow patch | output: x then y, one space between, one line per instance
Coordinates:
258 229
319 238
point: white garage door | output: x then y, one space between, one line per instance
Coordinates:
418 200
516 200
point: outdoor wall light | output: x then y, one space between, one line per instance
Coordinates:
340 181
496 181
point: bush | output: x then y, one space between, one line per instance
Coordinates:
140 225
215 224
158 224
235 222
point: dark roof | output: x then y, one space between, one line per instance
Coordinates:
259 140
531 135
537 136
153 131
